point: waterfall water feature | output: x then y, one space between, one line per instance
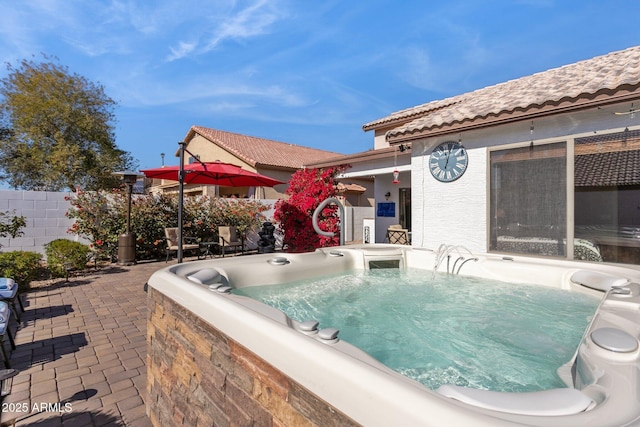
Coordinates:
444 252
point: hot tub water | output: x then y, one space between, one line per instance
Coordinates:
446 329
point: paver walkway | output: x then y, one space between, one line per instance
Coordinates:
81 351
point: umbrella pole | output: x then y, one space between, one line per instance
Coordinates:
180 198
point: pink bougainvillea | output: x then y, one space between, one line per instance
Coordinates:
307 189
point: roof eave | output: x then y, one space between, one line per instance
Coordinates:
410 114
566 106
259 165
381 153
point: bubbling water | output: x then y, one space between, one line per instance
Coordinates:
447 330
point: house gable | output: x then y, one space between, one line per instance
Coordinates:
259 152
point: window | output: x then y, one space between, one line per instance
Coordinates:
528 200
607 195
193 159
528 207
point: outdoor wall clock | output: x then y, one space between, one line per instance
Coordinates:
448 161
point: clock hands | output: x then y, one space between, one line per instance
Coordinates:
440 158
447 162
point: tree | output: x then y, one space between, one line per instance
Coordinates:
57 130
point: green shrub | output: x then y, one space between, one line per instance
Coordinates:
21 266
63 254
100 217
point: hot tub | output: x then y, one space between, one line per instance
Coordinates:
215 356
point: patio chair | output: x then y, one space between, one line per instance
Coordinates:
228 238
9 293
188 243
397 235
5 315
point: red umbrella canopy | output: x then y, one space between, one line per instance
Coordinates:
213 173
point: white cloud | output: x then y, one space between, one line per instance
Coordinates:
183 49
138 90
253 20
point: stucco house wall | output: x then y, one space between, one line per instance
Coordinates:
209 152
455 213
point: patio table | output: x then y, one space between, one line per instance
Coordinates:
208 248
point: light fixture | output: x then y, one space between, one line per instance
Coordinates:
387 195
632 112
127 241
404 147
396 174
531 131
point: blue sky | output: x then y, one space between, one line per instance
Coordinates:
304 72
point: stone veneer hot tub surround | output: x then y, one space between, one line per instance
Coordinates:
227 359
197 375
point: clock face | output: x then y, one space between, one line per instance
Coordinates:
448 161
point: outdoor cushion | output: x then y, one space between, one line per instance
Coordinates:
4 312
7 283
8 293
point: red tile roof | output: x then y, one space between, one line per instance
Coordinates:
615 75
261 152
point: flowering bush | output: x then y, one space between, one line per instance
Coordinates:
203 215
101 217
307 189
97 214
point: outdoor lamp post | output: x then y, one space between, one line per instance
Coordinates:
127 241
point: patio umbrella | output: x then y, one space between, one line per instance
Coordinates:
206 173
213 173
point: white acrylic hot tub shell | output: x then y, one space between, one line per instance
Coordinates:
374 395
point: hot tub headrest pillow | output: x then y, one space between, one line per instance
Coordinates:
206 276
554 402
597 280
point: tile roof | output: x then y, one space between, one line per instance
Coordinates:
262 152
341 187
616 168
610 159
582 81
380 153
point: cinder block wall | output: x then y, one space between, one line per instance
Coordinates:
198 376
45 214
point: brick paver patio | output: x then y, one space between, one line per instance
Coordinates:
81 351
